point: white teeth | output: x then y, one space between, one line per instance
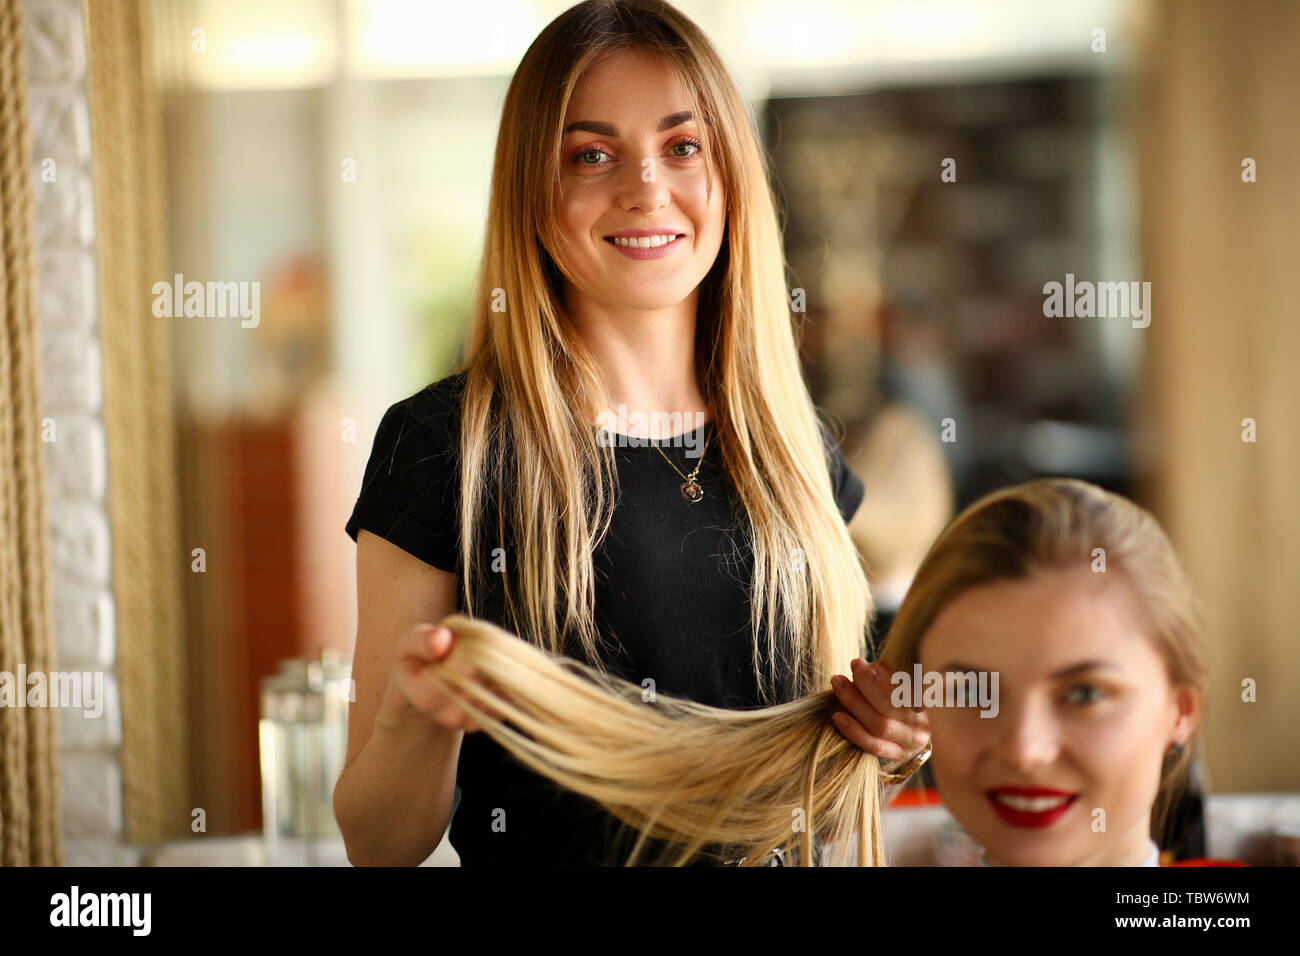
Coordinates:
644 242
1029 804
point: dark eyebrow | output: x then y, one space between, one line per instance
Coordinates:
1071 671
607 129
1083 666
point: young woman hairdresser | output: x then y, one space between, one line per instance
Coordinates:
632 280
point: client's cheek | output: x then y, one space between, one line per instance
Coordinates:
954 790
1123 775
954 763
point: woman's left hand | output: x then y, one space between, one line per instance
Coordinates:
869 720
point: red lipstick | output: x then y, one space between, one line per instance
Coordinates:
1031 807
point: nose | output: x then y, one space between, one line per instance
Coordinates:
1029 735
641 188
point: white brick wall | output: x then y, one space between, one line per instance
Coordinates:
72 385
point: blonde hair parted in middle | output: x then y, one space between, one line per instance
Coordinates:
528 451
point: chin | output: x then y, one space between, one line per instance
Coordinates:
1047 852
1057 845
653 297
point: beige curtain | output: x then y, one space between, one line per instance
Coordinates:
1218 84
29 791
149 563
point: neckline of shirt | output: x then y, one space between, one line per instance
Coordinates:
673 441
1152 857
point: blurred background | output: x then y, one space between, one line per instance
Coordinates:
938 163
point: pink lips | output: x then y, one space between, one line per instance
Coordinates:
1036 807
655 252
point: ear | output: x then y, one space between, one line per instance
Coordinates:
1188 704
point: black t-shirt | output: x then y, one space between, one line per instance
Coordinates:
672 605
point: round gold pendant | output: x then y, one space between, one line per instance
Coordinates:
691 491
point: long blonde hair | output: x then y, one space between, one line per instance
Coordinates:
529 456
734 785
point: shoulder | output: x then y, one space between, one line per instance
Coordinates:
417 442
434 410
421 426
411 481
845 483
828 437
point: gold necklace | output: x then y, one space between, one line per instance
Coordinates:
690 488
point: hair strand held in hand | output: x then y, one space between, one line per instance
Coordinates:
729 785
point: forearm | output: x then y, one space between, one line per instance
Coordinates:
392 803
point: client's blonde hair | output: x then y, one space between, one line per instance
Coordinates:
734 784
727 784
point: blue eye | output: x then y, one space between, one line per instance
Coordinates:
1084 694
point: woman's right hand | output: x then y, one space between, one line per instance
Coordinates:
412 689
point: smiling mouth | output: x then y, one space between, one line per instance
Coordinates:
1030 804
1033 807
643 242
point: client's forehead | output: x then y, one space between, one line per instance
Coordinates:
1036 627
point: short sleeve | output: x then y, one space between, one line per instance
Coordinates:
408 493
848 487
